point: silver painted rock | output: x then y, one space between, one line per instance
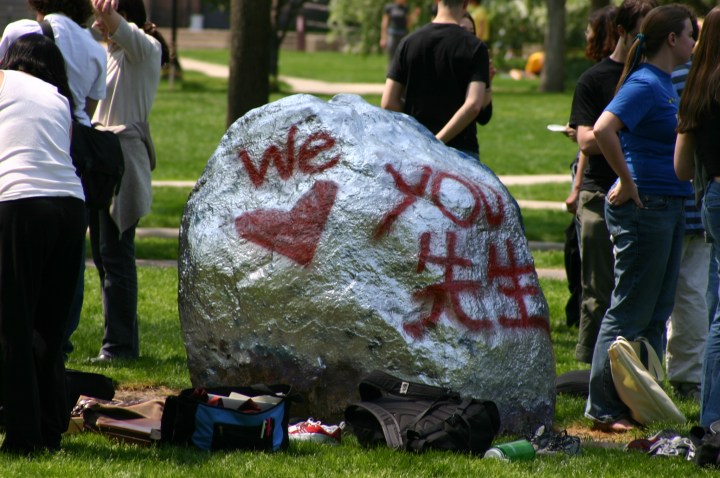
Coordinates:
325 240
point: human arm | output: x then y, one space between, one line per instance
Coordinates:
384 30
572 200
586 141
684 159
392 97
606 134
466 114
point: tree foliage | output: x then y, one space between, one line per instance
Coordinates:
514 24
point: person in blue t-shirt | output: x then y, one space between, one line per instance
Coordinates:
644 208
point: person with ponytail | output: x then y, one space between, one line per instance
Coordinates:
644 208
697 155
135 54
42 232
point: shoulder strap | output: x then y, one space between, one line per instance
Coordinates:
390 427
380 384
47 30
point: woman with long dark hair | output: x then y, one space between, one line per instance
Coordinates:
136 52
698 141
644 208
42 228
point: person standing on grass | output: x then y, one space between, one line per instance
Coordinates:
439 76
644 208
135 54
687 327
698 151
42 229
594 177
394 26
85 65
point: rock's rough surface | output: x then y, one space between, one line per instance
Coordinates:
325 240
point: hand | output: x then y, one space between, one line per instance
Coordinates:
571 133
105 6
571 202
493 71
623 192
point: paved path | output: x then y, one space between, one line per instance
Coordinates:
297 85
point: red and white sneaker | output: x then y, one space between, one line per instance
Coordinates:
312 430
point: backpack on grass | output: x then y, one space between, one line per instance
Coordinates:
229 418
416 417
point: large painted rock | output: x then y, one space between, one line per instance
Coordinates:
328 239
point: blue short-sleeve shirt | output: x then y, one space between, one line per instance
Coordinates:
647 104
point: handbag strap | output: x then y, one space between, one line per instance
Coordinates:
47 30
654 366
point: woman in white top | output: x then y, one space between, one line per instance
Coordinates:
135 55
85 65
42 227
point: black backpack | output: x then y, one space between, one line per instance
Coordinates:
417 417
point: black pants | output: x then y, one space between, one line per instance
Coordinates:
114 257
40 246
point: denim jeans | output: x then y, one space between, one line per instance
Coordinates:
710 401
647 244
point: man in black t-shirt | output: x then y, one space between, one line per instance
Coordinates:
438 76
593 92
394 26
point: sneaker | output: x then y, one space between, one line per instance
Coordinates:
312 430
548 442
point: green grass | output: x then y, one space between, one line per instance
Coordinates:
542 192
321 65
163 363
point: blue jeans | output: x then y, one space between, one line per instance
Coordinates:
710 401
647 244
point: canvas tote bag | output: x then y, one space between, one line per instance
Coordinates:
639 387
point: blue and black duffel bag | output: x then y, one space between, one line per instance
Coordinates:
229 418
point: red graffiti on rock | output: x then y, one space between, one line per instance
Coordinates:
446 294
507 274
494 213
296 233
286 158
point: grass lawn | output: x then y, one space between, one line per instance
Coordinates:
188 121
163 364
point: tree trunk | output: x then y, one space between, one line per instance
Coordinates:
248 85
553 73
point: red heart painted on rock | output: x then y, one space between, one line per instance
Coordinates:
294 234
